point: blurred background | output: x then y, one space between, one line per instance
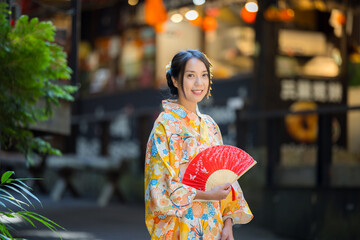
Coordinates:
286 89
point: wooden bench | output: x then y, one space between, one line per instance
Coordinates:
68 165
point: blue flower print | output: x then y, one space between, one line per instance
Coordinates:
211 209
191 235
180 112
153 182
153 150
189 214
169 117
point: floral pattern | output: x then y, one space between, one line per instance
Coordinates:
171 212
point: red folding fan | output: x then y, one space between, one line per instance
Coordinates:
217 165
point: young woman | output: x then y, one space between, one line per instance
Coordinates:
174 210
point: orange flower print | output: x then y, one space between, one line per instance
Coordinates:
214 231
164 202
197 209
169 235
209 236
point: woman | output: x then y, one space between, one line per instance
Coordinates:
174 210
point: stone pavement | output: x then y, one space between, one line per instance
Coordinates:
85 220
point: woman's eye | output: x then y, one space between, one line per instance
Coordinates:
205 75
190 75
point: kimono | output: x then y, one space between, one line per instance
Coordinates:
171 212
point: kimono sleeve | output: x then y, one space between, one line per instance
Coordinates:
238 209
165 195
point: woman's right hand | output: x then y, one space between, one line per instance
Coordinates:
217 193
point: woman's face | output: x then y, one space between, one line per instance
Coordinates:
195 83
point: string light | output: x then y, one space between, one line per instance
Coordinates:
251 7
191 15
133 2
199 2
176 18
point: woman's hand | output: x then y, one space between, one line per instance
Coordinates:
217 193
227 233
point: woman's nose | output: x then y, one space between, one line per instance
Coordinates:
198 81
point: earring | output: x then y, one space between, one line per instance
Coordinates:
209 93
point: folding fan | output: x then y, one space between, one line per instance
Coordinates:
217 165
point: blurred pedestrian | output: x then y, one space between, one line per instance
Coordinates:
172 209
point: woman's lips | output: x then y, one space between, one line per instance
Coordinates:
197 92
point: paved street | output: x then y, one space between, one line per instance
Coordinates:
84 219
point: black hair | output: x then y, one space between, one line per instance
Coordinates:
177 69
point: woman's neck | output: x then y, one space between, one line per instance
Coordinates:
188 106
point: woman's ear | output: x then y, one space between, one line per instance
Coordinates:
175 82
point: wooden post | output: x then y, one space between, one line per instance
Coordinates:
75 37
324 152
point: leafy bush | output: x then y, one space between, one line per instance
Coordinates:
30 69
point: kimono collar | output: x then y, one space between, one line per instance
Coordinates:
171 105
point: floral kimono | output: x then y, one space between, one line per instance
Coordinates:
171 212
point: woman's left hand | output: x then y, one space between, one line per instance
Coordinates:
227 233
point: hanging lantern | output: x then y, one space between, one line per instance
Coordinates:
159 27
209 24
271 13
247 16
286 15
155 12
197 21
275 14
213 12
341 19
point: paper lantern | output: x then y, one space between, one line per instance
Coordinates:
209 24
271 13
275 14
341 19
155 12
159 27
286 15
213 12
248 17
197 21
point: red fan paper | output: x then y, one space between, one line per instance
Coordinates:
217 165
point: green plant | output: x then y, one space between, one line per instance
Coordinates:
9 185
33 70
30 69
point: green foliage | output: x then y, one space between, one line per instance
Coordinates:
9 185
30 69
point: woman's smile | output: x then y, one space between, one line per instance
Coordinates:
197 92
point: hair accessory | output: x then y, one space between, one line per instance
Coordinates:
210 88
167 67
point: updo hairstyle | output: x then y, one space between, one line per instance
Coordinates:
177 69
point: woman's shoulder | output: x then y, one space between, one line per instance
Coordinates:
166 117
209 120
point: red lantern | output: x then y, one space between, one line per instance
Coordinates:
286 15
247 16
159 27
341 19
213 12
197 21
209 24
155 12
